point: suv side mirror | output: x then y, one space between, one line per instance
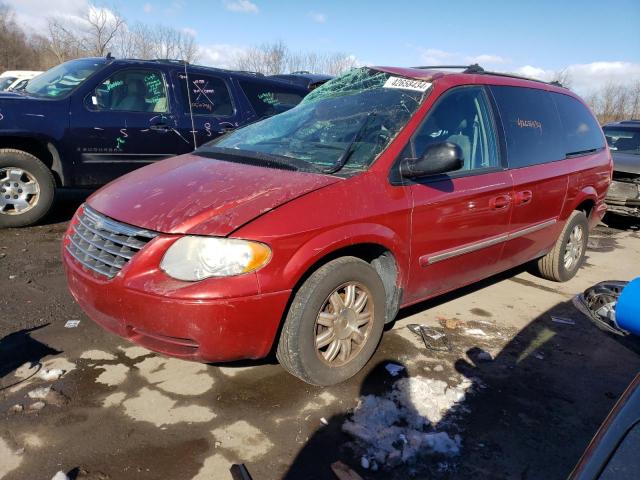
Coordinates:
438 158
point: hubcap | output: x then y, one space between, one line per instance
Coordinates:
344 324
19 191
573 250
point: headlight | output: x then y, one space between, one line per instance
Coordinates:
196 258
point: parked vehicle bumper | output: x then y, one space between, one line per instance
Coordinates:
623 198
202 329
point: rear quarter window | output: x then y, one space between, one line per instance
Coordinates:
268 100
582 132
533 130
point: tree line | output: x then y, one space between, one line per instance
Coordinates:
100 31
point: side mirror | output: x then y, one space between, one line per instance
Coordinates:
438 158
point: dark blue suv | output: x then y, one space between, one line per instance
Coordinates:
88 121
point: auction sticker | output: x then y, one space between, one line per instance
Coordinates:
407 84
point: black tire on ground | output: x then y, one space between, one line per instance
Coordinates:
46 186
552 266
297 350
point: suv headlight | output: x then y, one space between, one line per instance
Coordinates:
195 258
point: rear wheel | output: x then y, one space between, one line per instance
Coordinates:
567 255
334 323
27 188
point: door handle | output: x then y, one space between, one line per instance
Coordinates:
160 127
524 197
500 202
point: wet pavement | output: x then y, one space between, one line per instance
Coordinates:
519 394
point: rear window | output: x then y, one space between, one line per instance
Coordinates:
623 140
582 132
268 100
208 95
532 126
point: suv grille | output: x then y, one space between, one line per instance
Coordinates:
104 245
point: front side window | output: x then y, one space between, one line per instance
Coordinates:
63 79
462 117
345 123
132 91
208 95
582 132
623 140
5 82
532 126
268 100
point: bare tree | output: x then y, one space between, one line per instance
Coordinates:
103 25
275 58
147 42
563 77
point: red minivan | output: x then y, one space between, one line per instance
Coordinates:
305 233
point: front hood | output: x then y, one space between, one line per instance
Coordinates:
626 162
198 195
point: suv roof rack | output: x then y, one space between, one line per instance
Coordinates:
475 68
170 60
249 72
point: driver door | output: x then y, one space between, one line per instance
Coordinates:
126 122
459 219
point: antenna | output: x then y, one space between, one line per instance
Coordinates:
193 126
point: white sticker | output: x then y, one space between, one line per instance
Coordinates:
407 84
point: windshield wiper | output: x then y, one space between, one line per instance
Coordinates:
342 160
287 163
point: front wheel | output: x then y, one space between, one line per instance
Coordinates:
566 256
334 324
27 188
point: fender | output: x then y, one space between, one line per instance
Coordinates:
586 193
41 146
330 241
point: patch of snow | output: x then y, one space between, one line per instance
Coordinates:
394 369
60 476
395 428
40 393
364 462
475 332
51 374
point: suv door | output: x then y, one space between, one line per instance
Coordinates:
123 124
535 150
460 219
209 98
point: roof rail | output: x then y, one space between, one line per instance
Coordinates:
170 60
474 68
300 72
249 72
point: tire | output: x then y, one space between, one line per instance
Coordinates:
297 351
21 169
555 265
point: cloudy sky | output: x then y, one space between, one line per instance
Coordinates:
596 42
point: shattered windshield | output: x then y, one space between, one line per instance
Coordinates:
346 122
64 78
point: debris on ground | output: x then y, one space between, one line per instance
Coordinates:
450 323
343 472
395 428
72 323
240 472
324 421
51 374
432 338
17 408
394 369
563 320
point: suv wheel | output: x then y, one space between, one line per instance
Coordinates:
27 188
567 255
334 324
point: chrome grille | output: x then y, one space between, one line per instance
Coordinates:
103 245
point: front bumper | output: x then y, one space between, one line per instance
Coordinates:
623 198
199 328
